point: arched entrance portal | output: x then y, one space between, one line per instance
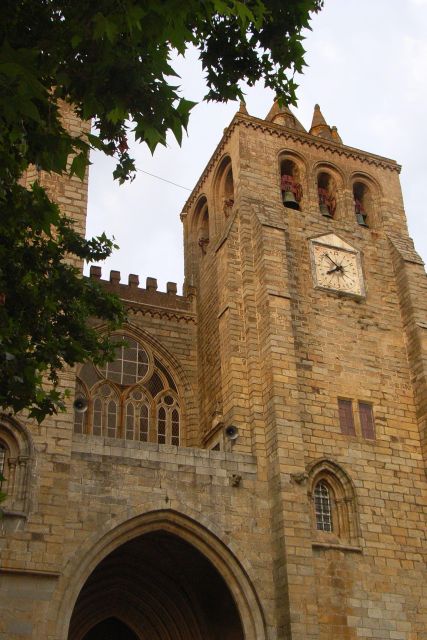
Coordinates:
155 587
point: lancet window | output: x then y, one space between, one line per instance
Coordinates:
168 420
333 504
134 398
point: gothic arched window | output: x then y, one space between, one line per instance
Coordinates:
16 459
168 420
134 397
137 415
333 504
104 411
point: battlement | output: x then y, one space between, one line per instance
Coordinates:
133 293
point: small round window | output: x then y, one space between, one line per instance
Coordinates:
131 364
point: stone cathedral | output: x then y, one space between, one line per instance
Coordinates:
252 466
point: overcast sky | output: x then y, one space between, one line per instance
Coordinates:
367 64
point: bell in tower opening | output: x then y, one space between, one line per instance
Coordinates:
360 194
290 185
326 192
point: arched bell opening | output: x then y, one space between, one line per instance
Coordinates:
201 224
326 190
157 587
362 203
228 191
223 190
290 184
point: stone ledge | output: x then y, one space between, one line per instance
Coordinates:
98 446
28 571
336 547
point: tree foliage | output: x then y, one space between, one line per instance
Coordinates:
112 61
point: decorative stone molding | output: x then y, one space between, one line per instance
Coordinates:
19 483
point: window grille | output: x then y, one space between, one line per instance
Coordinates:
97 417
175 427
130 365
161 426
323 507
143 423
155 384
130 421
111 419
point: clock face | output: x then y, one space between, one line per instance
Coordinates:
337 269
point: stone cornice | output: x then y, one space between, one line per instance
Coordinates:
320 143
288 134
160 312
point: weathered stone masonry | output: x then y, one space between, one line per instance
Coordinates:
121 527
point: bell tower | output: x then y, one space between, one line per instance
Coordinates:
312 318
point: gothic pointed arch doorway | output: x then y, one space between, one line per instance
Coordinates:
156 586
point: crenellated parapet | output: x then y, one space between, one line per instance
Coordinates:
148 298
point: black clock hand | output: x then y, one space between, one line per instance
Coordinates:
337 268
333 262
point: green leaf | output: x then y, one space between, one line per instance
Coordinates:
78 165
113 63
